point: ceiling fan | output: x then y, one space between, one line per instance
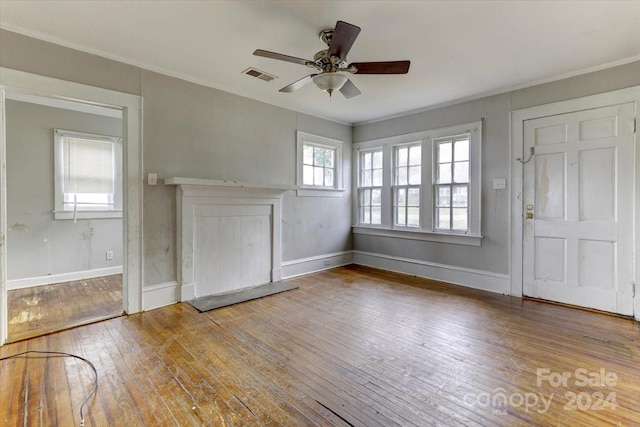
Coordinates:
332 63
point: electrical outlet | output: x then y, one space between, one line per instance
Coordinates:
152 178
327 263
109 255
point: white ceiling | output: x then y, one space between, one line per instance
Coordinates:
458 50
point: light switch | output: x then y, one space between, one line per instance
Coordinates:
499 184
152 178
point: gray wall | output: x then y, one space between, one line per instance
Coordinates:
493 255
198 132
38 245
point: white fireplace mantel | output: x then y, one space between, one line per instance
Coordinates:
202 203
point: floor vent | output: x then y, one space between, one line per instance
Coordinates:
259 74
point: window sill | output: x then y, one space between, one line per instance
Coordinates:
319 192
455 239
87 215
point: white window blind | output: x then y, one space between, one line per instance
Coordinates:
89 166
88 176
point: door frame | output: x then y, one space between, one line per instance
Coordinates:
13 81
518 117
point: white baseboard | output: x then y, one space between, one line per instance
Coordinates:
160 295
62 277
299 267
477 279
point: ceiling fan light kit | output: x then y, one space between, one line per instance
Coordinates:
332 63
329 82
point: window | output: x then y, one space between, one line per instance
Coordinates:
87 175
451 186
319 165
429 187
370 187
406 189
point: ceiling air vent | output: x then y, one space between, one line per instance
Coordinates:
259 74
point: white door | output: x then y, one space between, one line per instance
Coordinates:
578 204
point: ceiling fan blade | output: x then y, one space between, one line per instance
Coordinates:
344 35
349 90
298 83
390 67
281 57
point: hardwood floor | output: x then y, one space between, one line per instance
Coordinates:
42 309
351 346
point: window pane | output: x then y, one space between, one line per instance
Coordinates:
307 155
366 197
318 175
307 175
461 172
401 176
377 178
413 217
460 196
415 177
444 173
366 161
414 197
318 156
366 216
377 160
400 216
376 217
401 156
461 152
376 196
329 157
366 178
415 155
444 152
328 177
460 219
443 196
401 197
443 221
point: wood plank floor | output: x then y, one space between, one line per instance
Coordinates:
352 346
43 309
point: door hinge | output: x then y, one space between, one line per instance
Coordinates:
635 125
633 289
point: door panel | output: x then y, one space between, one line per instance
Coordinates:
578 230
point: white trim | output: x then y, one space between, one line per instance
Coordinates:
160 295
334 144
631 94
302 266
455 239
30 282
427 205
13 81
471 278
66 105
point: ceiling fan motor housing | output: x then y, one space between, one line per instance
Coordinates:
328 64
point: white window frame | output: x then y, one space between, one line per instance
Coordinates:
427 230
361 188
395 187
59 211
337 190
